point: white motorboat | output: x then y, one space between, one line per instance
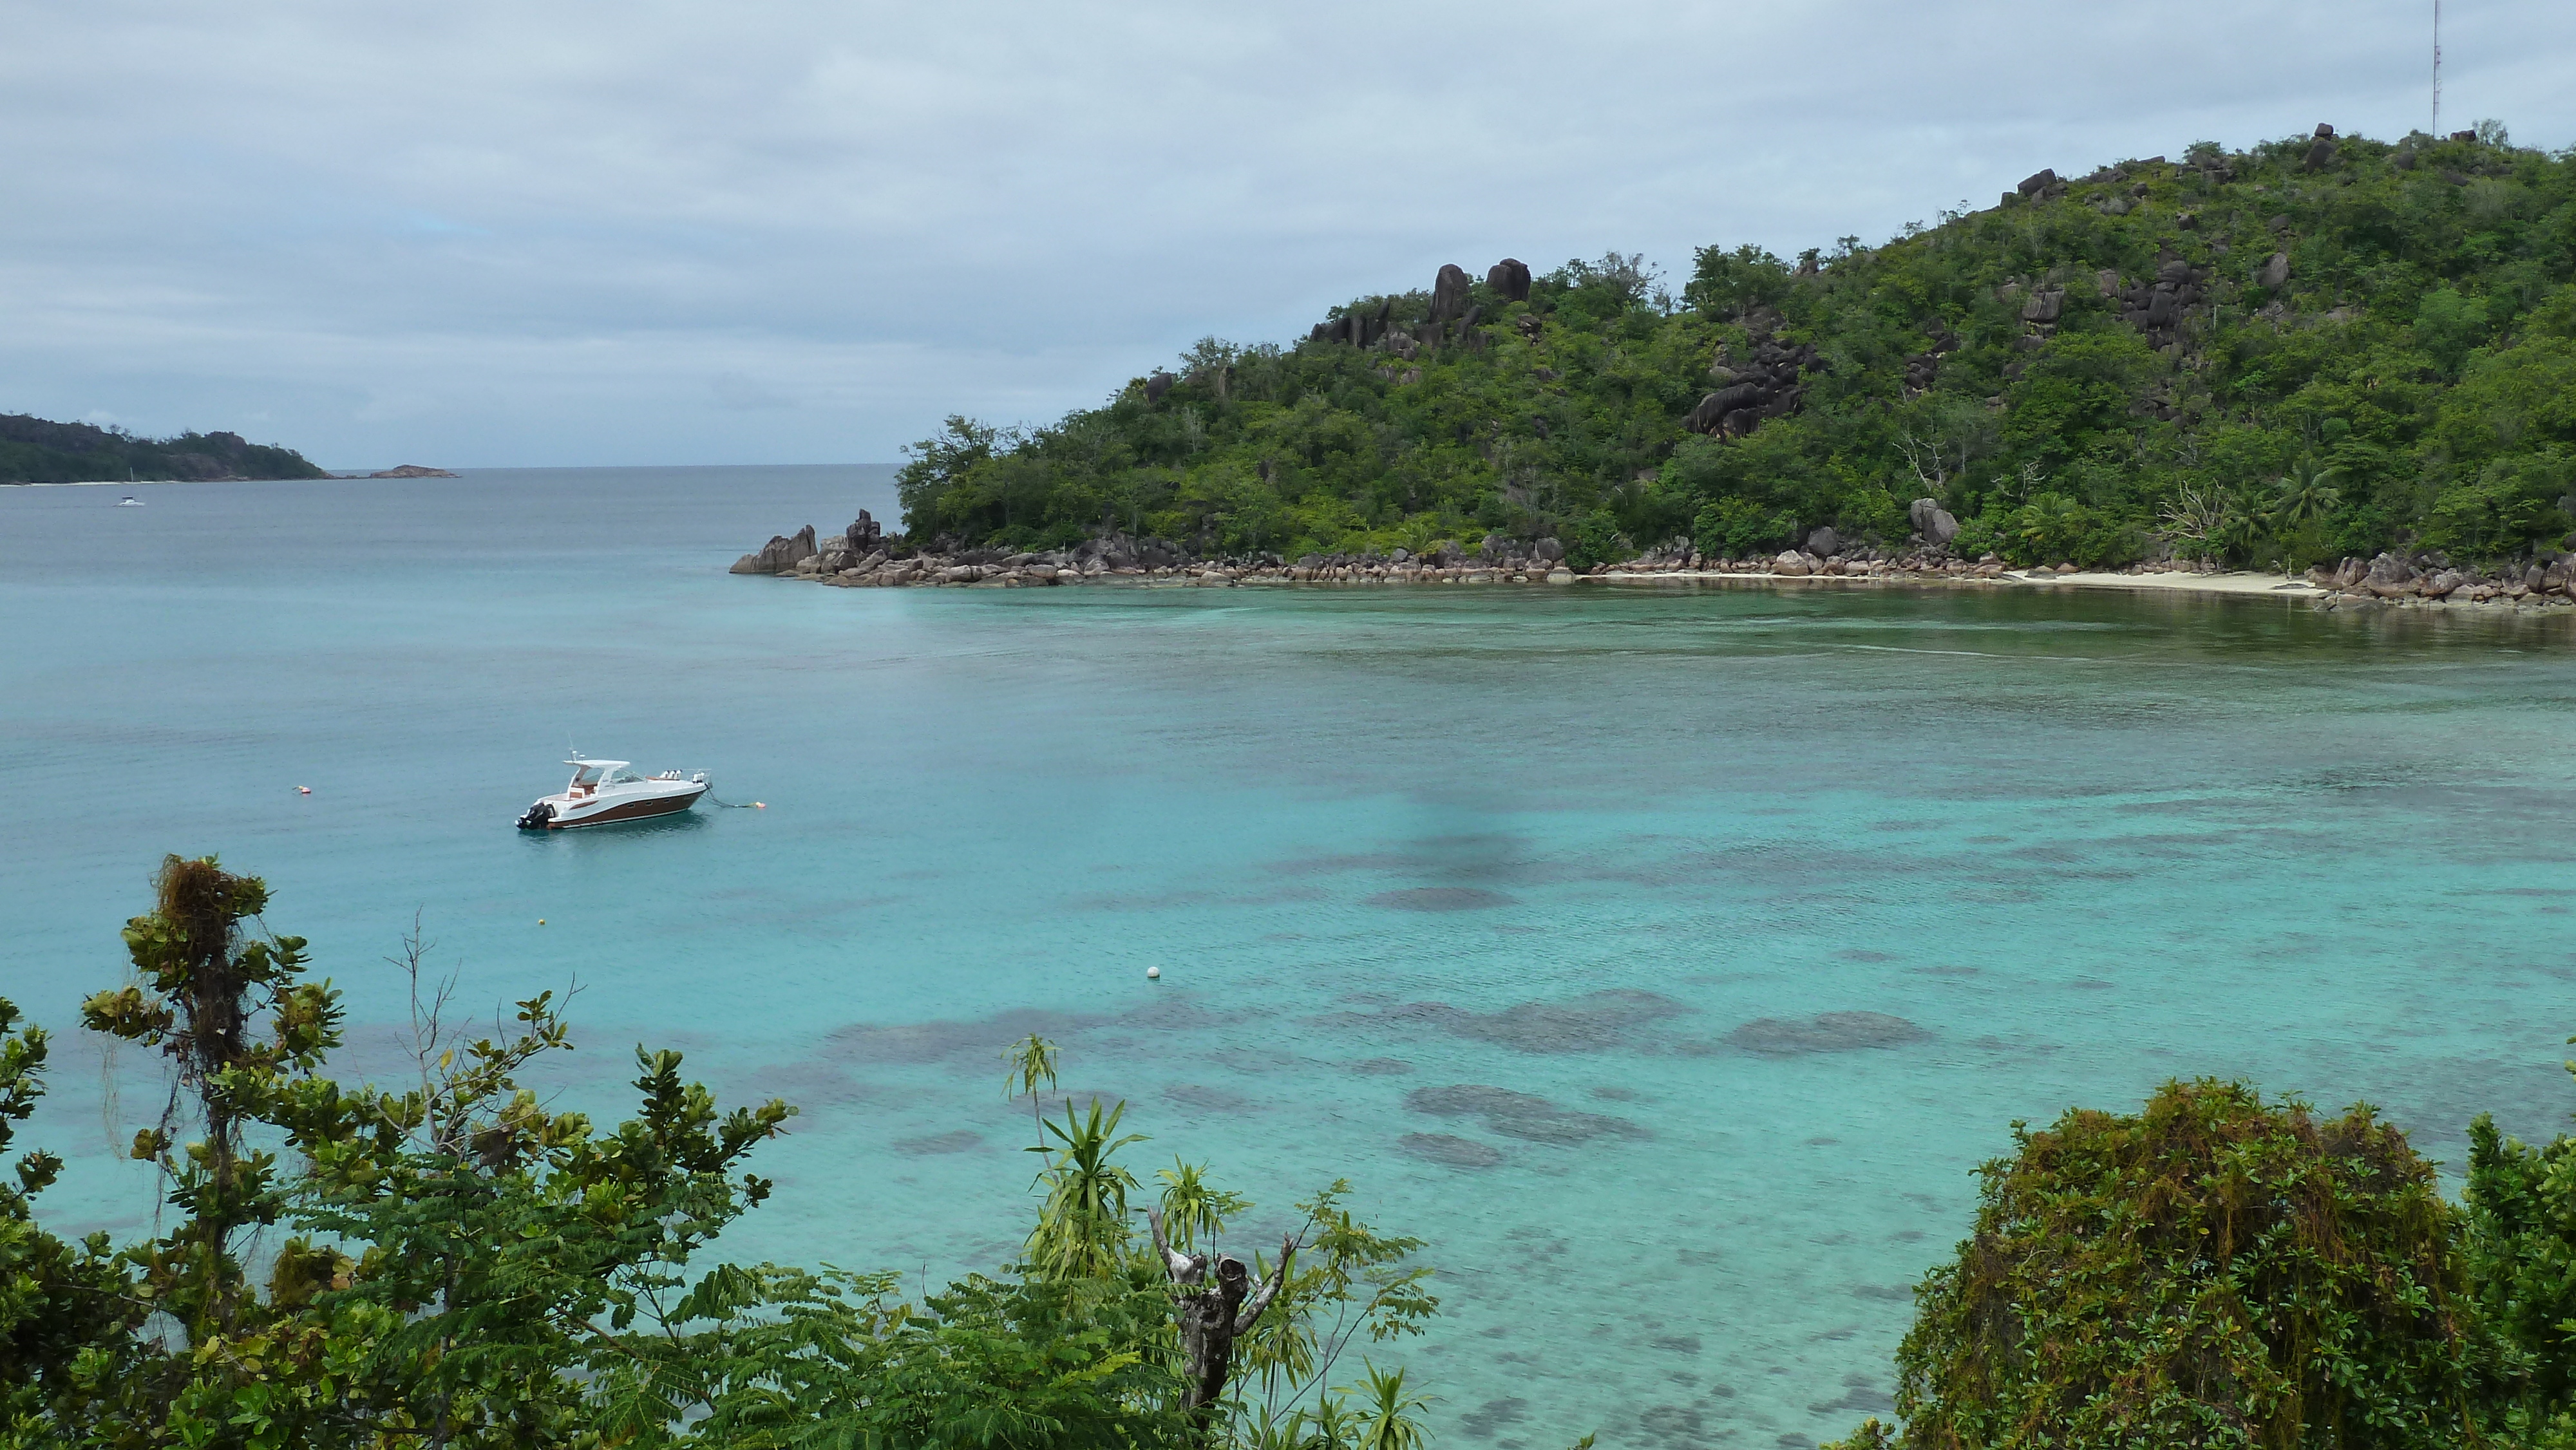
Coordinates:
129 502
605 791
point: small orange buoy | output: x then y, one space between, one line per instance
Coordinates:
541 921
304 790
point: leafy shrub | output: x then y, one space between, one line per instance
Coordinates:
2055 528
1875 512
2447 325
1981 536
1593 539
2512 504
1739 528
2522 1257
2211 1271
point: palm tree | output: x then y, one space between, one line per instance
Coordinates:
2050 524
2304 495
1030 1063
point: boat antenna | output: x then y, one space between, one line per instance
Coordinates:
2437 69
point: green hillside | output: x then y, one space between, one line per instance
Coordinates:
33 450
2316 348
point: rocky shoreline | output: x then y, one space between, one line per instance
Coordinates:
2422 582
862 557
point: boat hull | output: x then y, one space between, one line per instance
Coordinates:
643 808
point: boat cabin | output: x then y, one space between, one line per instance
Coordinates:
589 775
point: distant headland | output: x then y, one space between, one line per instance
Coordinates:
2324 357
33 450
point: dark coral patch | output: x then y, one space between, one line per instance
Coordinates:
1481 1423
1207 1099
1829 1032
1441 898
964 1140
1593 1022
1525 1116
1450 1149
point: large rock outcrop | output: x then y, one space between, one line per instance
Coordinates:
780 555
1765 385
1359 327
1449 292
1932 521
2158 307
1453 317
1923 368
2321 151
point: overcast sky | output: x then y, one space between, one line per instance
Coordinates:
479 234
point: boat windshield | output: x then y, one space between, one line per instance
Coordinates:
625 777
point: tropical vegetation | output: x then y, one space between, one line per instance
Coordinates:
33 450
2311 348
2216 1270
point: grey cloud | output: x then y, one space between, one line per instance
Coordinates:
510 234
740 394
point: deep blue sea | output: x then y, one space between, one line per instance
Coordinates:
1607 854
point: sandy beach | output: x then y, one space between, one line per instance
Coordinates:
2240 583
2230 583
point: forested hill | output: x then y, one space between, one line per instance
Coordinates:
35 451
2319 347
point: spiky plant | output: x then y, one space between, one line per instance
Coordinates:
1390 1417
1082 1229
1192 1208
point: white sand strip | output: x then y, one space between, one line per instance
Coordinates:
2231 583
2281 585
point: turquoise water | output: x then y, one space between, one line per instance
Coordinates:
1606 855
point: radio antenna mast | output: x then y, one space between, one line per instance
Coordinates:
2437 69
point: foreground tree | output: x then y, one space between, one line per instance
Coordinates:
466 1268
2212 1271
2522 1257
60 1302
1213 1314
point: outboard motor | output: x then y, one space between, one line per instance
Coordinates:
538 817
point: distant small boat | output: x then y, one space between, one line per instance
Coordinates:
129 502
603 791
